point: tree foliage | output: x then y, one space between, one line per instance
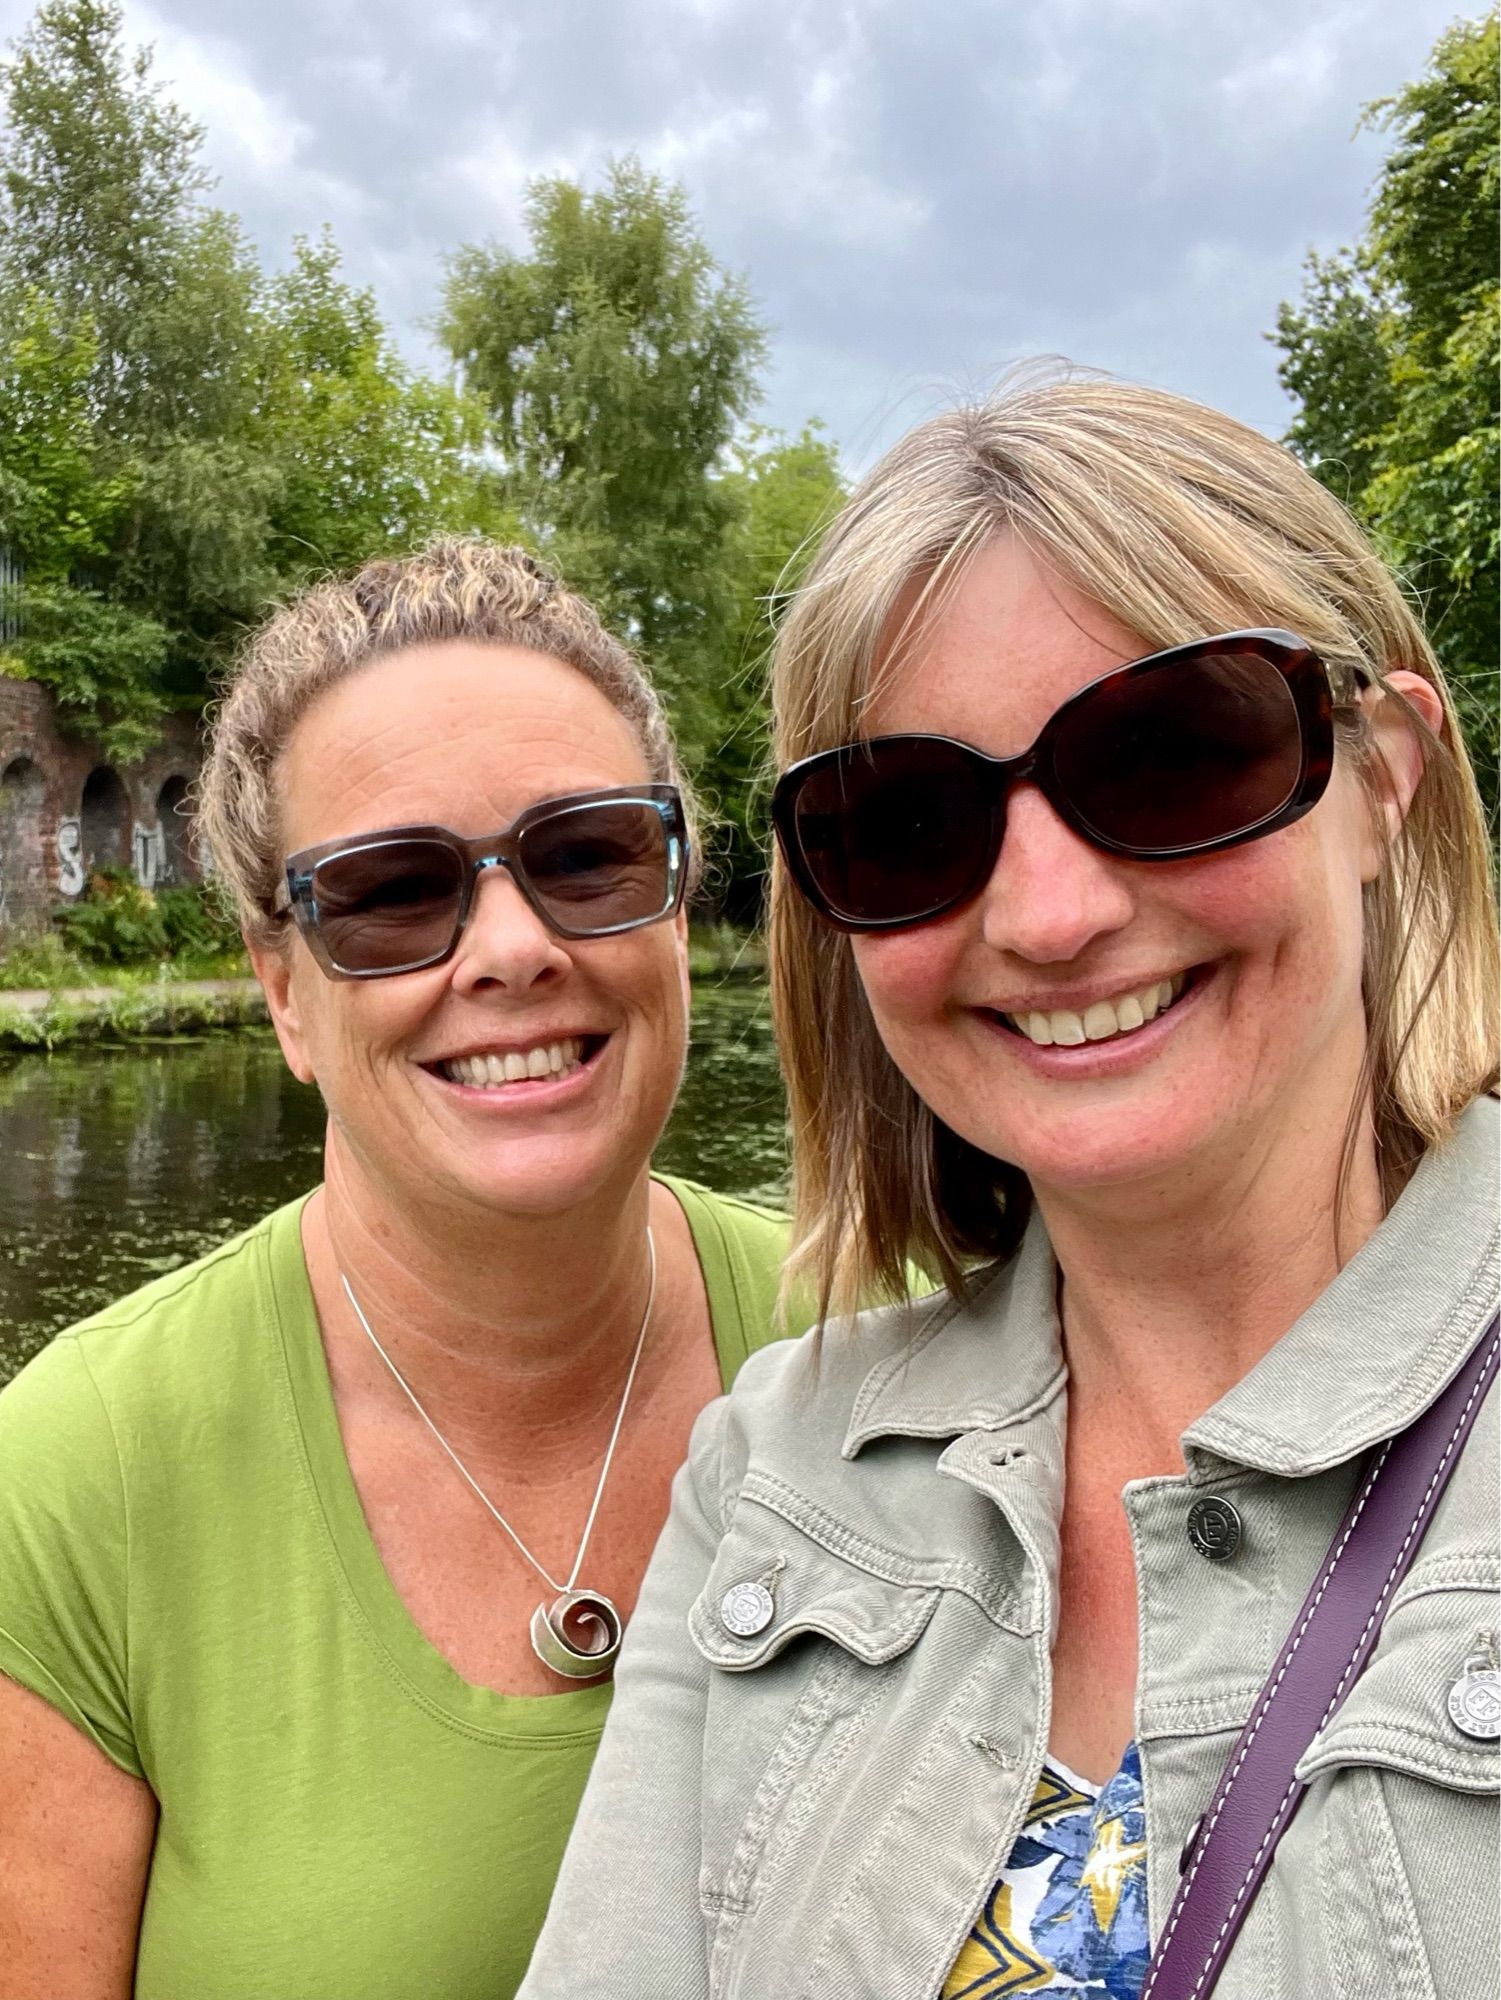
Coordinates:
1393 354
784 491
99 176
371 456
616 360
58 511
183 435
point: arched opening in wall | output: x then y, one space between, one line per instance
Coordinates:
179 863
23 877
105 821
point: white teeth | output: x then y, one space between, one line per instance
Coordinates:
1102 1019
489 1072
1099 1021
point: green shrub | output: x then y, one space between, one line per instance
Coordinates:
197 922
115 921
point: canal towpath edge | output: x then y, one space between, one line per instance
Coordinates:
45 1018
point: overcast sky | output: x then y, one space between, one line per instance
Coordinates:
920 192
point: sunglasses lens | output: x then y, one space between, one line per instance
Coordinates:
601 867
1194 751
890 831
392 905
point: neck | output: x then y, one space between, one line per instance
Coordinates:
513 1331
1172 1292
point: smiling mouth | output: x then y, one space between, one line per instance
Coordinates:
542 1062
1104 1020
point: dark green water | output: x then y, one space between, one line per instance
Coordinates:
119 1164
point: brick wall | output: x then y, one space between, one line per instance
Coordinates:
64 808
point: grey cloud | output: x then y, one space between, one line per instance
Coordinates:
918 196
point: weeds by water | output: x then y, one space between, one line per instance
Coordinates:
94 1001
127 1009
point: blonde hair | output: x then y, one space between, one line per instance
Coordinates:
455 588
1180 522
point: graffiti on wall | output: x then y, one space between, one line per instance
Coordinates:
70 878
148 849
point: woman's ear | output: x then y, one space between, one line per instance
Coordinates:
1399 750
272 966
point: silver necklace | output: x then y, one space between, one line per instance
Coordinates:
578 1635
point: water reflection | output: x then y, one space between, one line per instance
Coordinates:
117 1165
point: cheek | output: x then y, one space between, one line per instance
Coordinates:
349 1025
909 976
1287 916
642 977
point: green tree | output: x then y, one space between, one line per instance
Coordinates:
98 173
234 431
371 455
1393 355
784 492
616 359
57 513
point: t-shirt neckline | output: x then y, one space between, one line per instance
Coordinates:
373 1599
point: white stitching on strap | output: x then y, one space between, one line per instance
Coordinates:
1201 1845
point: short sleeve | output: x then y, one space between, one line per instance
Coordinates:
64 1549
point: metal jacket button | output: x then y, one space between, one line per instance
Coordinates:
1475 1698
746 1609
1214 1528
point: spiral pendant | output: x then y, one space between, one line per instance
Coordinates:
578 1635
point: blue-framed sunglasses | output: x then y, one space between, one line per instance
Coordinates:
590 864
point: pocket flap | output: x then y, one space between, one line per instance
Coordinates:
812 1589
1397 1714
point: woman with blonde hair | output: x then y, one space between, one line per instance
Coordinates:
315 1556
1135 967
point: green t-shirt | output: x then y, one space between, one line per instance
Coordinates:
186 1573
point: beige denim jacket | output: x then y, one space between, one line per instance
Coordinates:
821 1808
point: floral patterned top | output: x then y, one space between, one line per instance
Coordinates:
1069 1914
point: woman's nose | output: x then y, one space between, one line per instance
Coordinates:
505 942
1050 894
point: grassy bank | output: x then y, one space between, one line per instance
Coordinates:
51 996
127 1008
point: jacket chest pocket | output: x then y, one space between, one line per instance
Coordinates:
1404 1784
808 1641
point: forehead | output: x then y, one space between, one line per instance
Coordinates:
990 663
464 736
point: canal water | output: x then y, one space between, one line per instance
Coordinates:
119 1164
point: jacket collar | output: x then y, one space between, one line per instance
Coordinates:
1368 1356
1374 1349
982 1365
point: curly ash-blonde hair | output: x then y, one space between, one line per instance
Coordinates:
454 588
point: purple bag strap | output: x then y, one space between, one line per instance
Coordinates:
1329 1643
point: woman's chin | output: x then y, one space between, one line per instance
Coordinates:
1082 1152
539 1186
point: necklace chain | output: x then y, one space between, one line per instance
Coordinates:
467 1475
